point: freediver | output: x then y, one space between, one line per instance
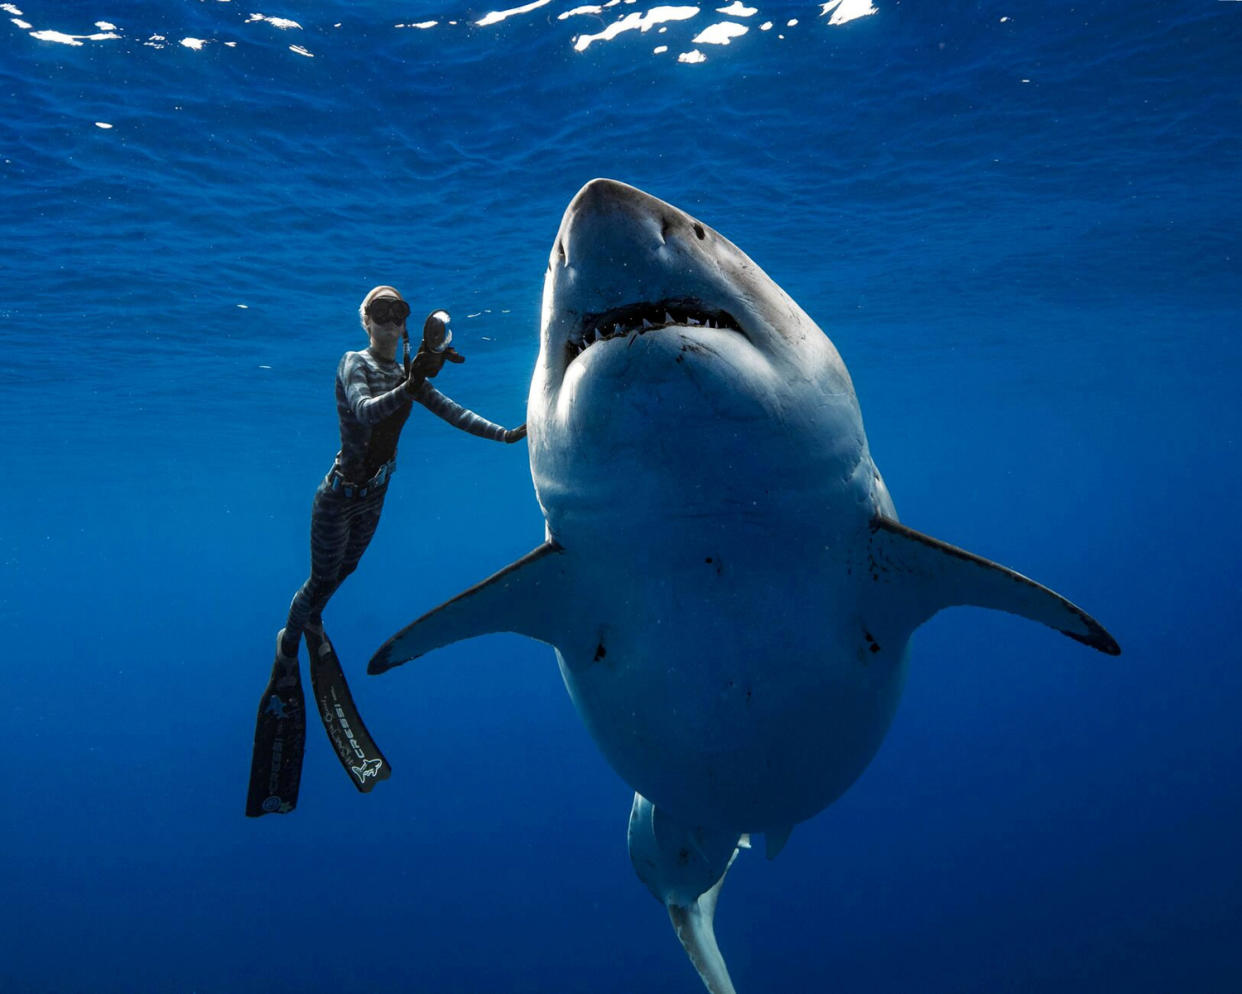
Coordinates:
374 396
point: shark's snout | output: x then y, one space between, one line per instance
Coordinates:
606 208
626 263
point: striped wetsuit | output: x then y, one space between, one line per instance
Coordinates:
373 404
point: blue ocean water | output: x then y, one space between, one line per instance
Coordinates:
1019 225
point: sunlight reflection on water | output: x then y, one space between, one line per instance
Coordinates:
615 19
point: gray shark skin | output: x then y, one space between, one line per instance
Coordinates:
724 579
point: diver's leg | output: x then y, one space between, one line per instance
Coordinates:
355 748
280 728
331 524
364 521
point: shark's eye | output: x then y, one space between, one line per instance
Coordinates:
698 230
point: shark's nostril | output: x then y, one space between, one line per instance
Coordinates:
699 232
560 251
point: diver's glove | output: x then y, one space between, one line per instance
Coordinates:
424 366
515 434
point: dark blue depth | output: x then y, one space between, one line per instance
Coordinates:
1018 224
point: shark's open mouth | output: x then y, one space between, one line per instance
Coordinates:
641 318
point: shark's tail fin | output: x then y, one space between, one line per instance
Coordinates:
685 869
694 925
932 575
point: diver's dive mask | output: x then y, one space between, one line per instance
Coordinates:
388 310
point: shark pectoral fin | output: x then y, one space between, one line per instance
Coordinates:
522 598
934 575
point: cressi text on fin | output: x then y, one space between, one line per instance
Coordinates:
352 743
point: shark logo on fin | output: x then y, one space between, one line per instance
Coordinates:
275 706
368 770
724 578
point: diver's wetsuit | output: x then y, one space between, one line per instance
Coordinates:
373 404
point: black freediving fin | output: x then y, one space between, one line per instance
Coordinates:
351 741
279 742
524 597
933 574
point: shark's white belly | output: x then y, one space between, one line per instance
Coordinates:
720 658
719 695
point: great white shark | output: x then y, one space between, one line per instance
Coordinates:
723 577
